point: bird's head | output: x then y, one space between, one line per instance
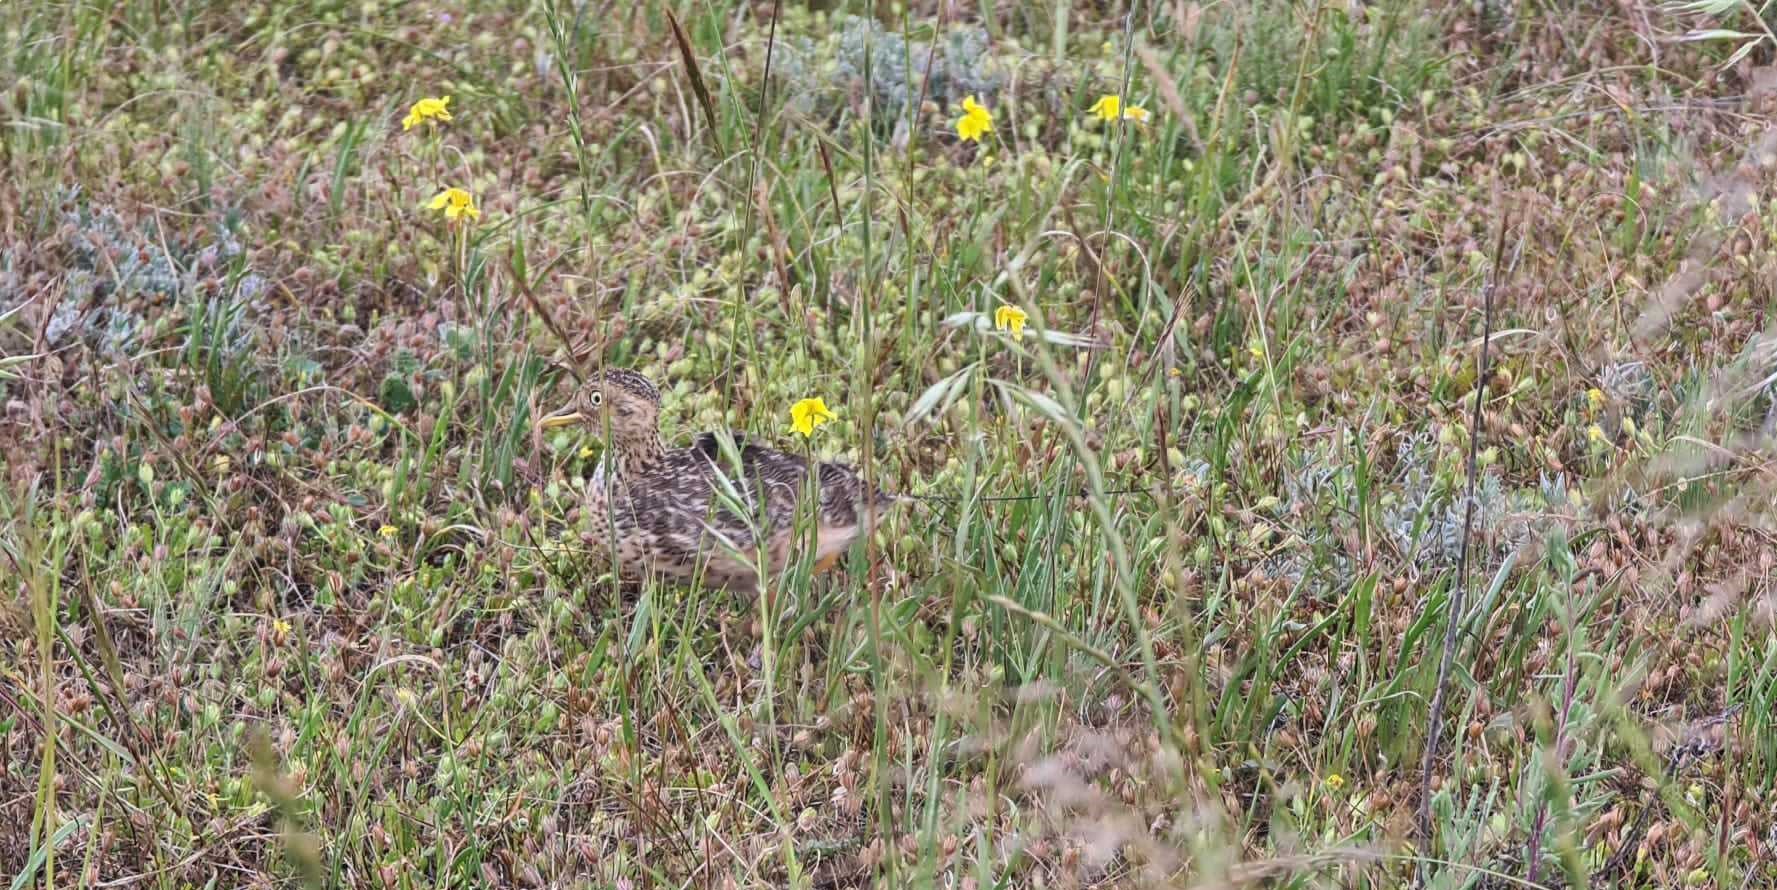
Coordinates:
615 399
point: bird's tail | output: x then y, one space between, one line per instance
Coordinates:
885 499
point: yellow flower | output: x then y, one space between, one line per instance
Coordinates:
1596 433
1595 398
587 452
427 110
808 414
280 629
455 203
1335 781
388 531
1110 107
976 121
1010 318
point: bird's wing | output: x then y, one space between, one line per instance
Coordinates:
710 444
780 477
679 505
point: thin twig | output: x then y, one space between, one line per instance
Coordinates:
530 297
759 133
1434 724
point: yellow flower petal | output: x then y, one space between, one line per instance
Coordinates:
1010 318
807 414
976 121
1107 107
455 203
428 109
1110 107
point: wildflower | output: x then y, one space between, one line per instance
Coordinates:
1010 318
587 452
808 414
427 110
1335 781
280 630
976 121
455 203
1595 398
1595 433
1110 107
388 532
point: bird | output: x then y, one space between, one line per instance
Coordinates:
671 512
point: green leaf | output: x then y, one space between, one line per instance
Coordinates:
396 396
939 395
1044 405
38 856
1715 34
1705 7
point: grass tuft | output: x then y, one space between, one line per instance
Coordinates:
300 595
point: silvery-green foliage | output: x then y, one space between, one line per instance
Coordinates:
111 265
1424 519
901 71
1628 382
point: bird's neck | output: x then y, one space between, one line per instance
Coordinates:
636 457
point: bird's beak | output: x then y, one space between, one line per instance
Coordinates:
559 419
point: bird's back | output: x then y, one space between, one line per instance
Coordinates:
738 491
704 508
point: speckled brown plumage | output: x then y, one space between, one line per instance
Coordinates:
707 511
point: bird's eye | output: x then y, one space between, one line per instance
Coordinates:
596 399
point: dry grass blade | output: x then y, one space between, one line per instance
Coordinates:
826 158
1169 94
1048 623
549 321
1459 584
696 74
